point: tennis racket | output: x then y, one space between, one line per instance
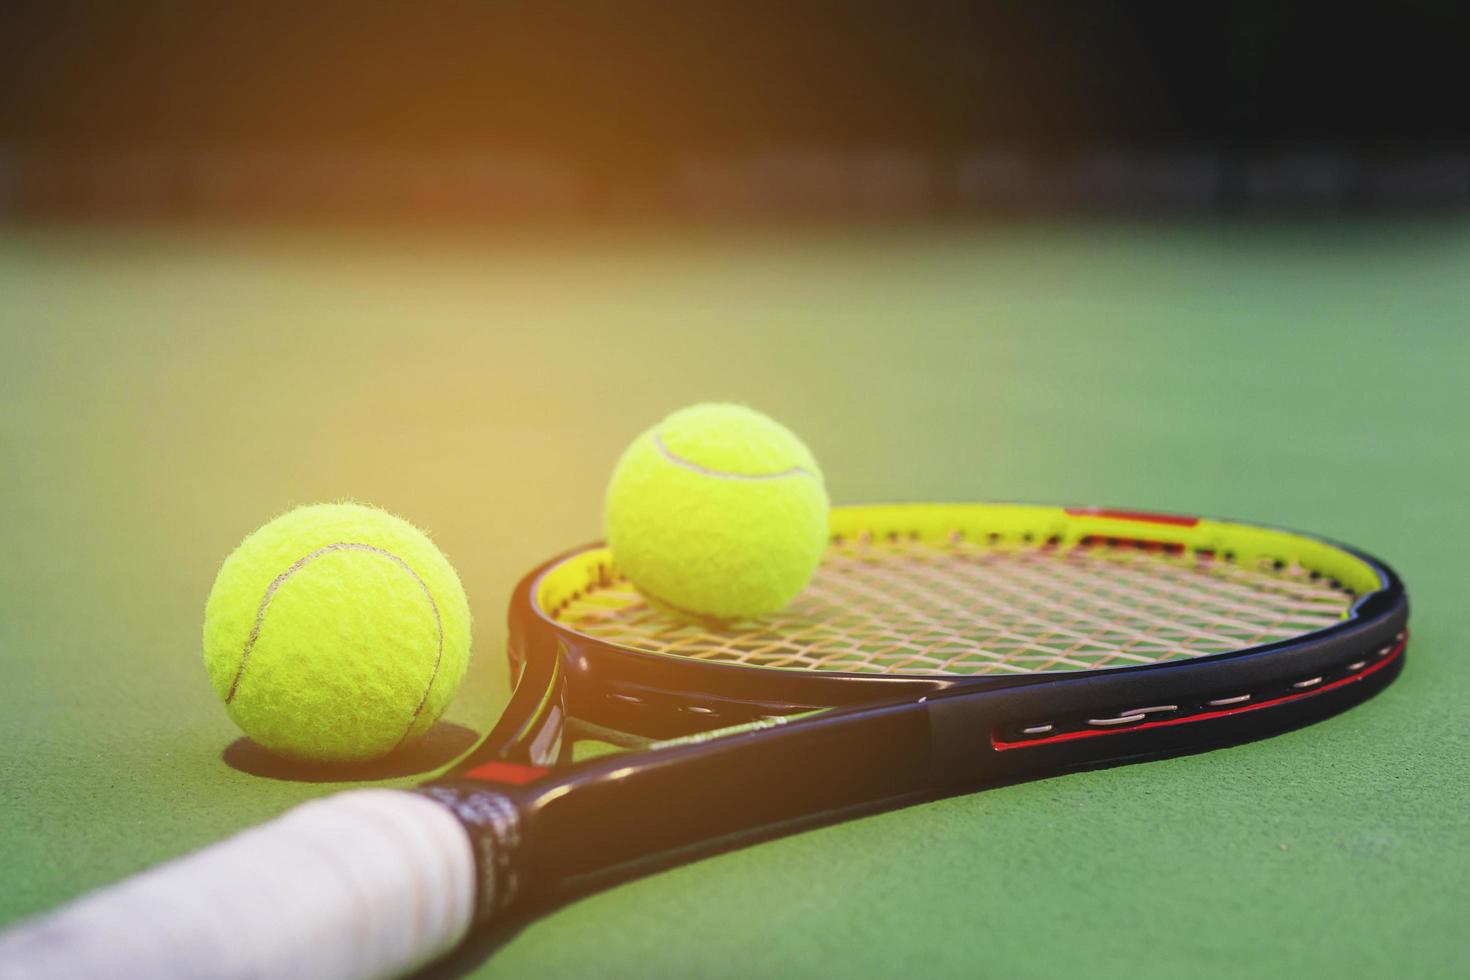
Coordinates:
939 648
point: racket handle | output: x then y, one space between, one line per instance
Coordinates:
368 883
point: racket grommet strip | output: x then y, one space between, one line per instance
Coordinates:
1119 720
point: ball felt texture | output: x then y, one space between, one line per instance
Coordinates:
718 511
336 633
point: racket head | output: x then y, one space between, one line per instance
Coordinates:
733 750
1132 622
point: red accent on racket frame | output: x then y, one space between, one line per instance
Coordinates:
1142 517
1384 661
507 772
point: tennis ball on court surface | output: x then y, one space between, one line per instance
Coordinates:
718 510
336 633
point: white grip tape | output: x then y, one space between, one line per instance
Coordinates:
368 883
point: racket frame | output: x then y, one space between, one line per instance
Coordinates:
751 750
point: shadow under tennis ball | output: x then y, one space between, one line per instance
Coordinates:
441 744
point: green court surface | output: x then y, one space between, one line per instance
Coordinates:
163 392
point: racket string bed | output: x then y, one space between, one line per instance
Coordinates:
969 607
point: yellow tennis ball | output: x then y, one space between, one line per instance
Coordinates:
718 510
337 632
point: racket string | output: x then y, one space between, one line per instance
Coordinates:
967 607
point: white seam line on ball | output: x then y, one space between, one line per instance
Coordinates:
296 566
677 460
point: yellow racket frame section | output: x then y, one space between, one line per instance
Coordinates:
1024 526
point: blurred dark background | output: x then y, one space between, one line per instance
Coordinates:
515 110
